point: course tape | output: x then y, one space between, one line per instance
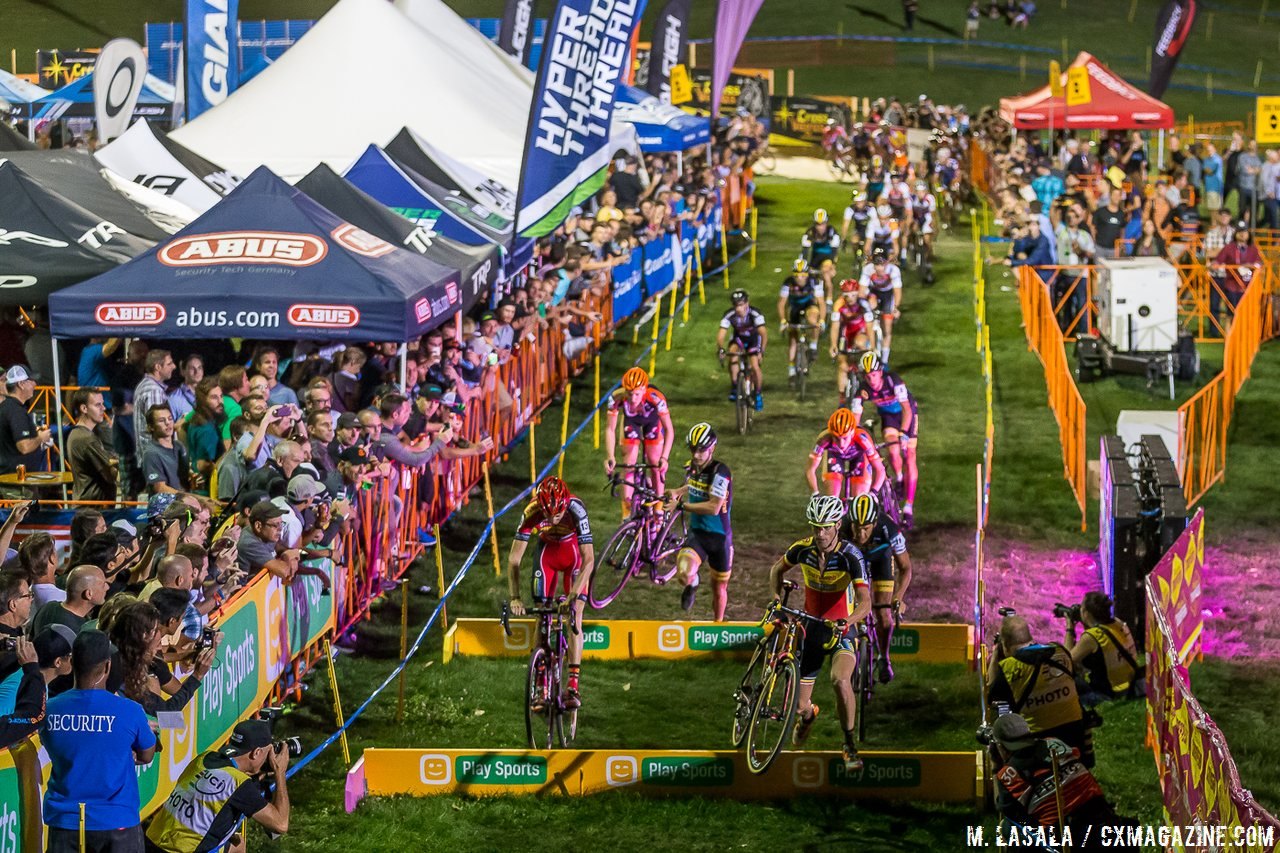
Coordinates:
518 500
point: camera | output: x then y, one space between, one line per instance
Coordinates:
293 745
985 734
8 644
208 636
1063 611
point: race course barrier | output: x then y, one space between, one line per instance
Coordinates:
922 642
939 777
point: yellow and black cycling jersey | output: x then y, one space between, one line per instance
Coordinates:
829 579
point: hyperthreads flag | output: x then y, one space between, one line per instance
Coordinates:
213 68
670 39
733 19
1173 25
516 33
566 154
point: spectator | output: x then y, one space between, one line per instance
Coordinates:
1134 160
1022 18
151 391
1108 224
10 527
273 476
258 386
1030 249
20 438
137 633
353 471
258 545
266 361
1269 187
85 523
93 370
972 16
176 572
1248 171
263 433
1214 184
1150 244
182 400
204 430
909 9
1106 656
15 608
24 694
319 398
234 382
1215 240
394 411
94 468
86 590
94 738
626 184
165 465
39 559
347 388
1184 220
1238 262
1075 249
320 433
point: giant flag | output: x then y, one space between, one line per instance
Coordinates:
670 40
515 35
212 53
1173 25
567 148
733 19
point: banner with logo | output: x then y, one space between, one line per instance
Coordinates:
150 158
628 288
743 90
56 68
1174 588
212 53
1173 26
733 19
515 33
117 83
670 46
567 149
659 265
806 118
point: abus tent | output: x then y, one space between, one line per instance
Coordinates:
267 262
155 161
659 126
1114 104
48 242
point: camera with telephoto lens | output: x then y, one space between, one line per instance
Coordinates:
1063 611
985 734
293 744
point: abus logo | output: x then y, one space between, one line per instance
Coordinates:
361 242
129 314
244 247
324 316
422 310
451 288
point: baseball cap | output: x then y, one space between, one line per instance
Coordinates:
246 737
432 392
355 455
251 498
265 511
303 488
1012 732
91 648
488 315
125 526
17 373
348 420
55 641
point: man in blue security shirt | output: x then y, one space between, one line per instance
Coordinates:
707 496
94 739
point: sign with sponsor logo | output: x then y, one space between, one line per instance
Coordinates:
212 54
244 247
17 281
56 68
628 292
500 769
323 316
878 773
1078 89
130 314
361 242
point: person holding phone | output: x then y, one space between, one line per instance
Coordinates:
21 439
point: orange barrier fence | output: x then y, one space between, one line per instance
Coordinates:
1045 338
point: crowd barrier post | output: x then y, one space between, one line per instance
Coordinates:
83 843
653 338
671 322
564 432
595 414
755 221
404 643
440 585
488 502
635 333
688 283
724 254
337 701
697 262
533 450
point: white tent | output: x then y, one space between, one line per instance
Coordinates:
143 155
327 98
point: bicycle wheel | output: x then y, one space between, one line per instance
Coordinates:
536 691
889 500
566 719
767 162
835 167
802 367
616 563
746 399
666 544
749 688
863 684
773 716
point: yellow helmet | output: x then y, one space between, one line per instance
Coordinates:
869 362
820 216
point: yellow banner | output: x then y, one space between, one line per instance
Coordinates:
1078 91
629 639
681 85
1267 127
1055 78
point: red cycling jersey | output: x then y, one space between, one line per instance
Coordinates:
559 558
851 315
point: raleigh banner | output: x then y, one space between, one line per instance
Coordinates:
670 43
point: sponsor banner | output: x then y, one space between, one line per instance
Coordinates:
212 53
628 639
1173 26
244 247
117 83
567 147
1174 588
659 266
628 290
954 777
670 44
733 19
806 118
515 34
744 89
56 68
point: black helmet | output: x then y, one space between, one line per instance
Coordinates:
739 297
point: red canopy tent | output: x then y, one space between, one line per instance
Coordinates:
1114 105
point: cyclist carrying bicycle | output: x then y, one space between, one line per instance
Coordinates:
707 495
883 280
563 560
645 420
853 464
849 331
801 303
747 327
835 588
821 245
884 548
899 423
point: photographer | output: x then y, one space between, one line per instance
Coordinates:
219 790
1037 680
15 607
1106 657
24 694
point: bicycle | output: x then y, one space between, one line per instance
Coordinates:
650 536
779 692
803 356
753 679
841 163
745 390
545 674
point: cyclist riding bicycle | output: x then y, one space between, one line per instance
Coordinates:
821 246
835 588
801 303
849 332
747 327
645 420
883 280
876 177
563 560
924 215
850 454
899 423
897 194
885 550
707 495
835 139
885 234
862 216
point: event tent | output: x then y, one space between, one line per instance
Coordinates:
266 262
11 140
76 99
1114 104
151 158
410 149
659 126
478 265
51 242
18 92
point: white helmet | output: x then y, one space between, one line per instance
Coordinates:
825 510
820 216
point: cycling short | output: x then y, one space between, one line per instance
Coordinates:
751 343
849 333
714 550
886 300
648 433
555 565
881 565
893 420
813 653
796 313
821 260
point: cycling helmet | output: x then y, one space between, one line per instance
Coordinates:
800 266
849 285
825 510
864 510
701 437
870 362
552 496
859 197
739 297
842 422
877 160
636 377
820 215
878 256
831 122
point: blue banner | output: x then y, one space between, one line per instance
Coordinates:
659 264
212 56
628 289
567 144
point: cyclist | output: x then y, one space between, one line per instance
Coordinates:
645 419
862 216
897 195
707 495
835 141
924 216
801 303
821 245
899 424
564 559
885 235
835 588
850 453
849 333
883 280
876 177
749 335
883 547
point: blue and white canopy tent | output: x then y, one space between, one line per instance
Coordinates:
660 127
